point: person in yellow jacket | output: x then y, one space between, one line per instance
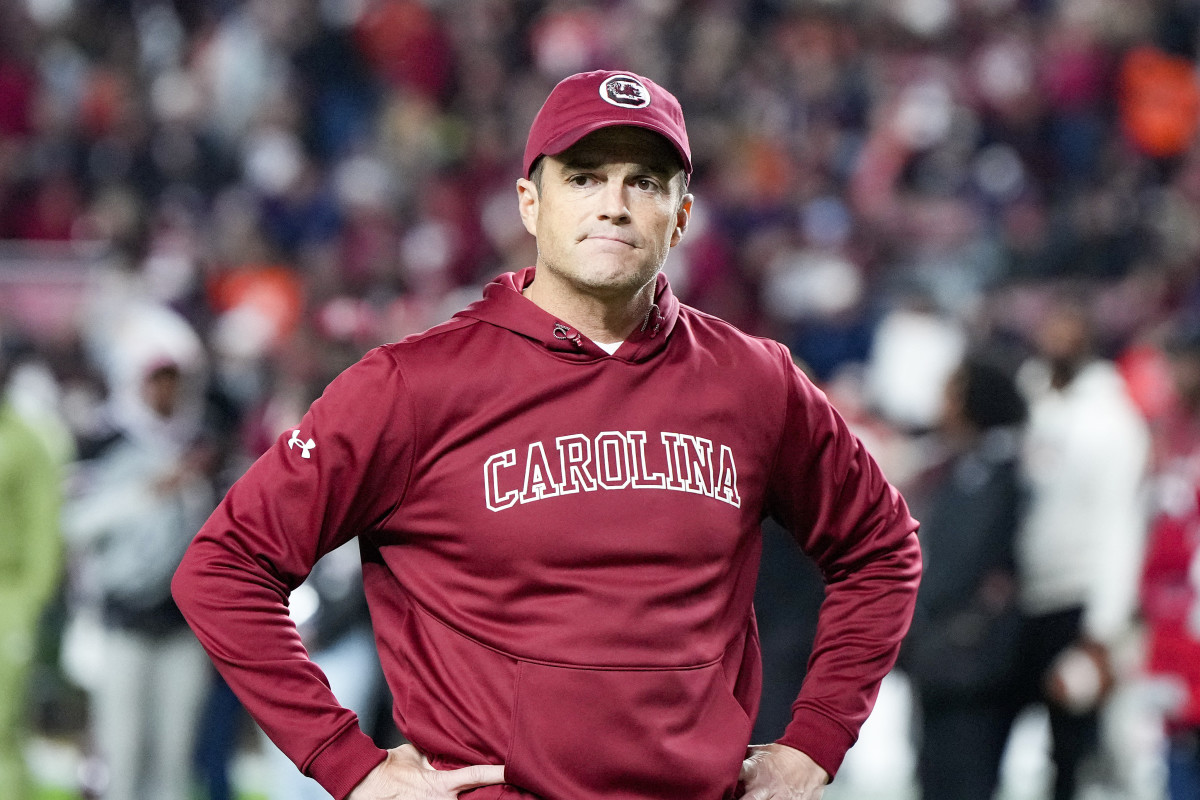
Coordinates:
30 567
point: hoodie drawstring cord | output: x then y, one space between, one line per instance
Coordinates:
563 332
657 314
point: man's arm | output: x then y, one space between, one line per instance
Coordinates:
339 475
830 493
1119 518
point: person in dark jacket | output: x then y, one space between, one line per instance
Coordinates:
961 650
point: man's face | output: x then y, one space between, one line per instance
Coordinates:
1062 337
607 212
161 390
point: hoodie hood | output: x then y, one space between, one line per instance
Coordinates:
503 305
146 338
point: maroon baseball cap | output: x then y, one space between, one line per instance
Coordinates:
589 101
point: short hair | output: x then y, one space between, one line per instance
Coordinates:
535 172
990 395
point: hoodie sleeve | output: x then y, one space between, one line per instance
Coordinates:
340 473
829 492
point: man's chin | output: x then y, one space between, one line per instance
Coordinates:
615 285
610 280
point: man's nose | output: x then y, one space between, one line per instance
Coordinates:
614 201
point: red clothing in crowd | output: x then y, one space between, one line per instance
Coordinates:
1170 601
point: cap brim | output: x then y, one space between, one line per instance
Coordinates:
565 140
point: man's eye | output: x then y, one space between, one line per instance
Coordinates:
646 185
579 180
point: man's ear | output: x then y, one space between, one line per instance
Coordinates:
682 217
527 204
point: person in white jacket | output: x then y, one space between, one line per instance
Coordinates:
1079 548
137 496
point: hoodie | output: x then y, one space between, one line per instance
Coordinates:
560 549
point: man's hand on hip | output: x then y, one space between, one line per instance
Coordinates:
406 774
779 772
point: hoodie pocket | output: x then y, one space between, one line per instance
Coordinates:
588 734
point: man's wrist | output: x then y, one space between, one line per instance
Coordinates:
819 737
344 761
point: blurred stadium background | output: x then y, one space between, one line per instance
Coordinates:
880 183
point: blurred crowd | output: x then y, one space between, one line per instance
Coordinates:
338 169
208 208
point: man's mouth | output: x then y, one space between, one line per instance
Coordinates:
615 239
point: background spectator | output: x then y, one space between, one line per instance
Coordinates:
137 499
30 571
1078 547
1170 593
962 651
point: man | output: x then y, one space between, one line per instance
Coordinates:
1080 544
557 495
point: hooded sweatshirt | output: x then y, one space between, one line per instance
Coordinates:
560 549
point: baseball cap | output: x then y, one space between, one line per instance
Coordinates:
589 101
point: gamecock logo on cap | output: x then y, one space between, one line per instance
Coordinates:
623 90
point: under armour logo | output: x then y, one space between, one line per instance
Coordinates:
304 446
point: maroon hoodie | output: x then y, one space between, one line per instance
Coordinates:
560 550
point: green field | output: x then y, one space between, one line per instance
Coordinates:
64 794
